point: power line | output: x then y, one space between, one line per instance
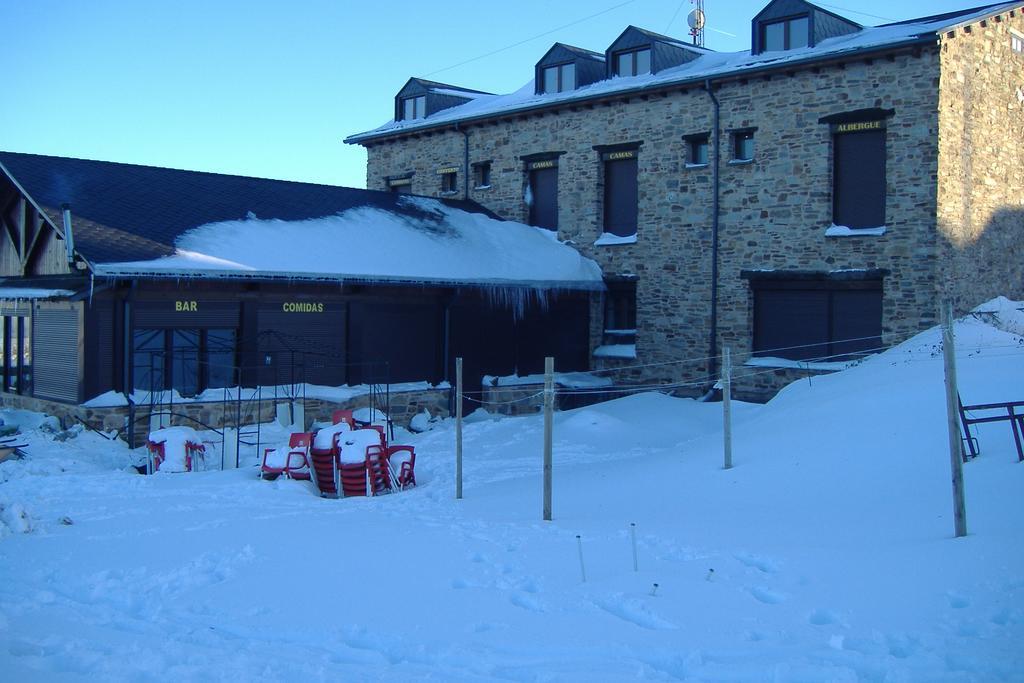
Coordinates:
674 15
853 11
527 40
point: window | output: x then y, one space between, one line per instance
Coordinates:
620 312
620 193
400 185
414 107
559 78
787 34
16 353
633 62
697 149
743 145
449 181
858 174
482 175
1016 41
192 359
817 320
542 193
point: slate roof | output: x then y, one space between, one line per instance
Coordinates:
708 66
125 212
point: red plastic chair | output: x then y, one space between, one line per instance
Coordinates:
406 472
383 434
343 416
324 467
353 478
156 455
298 458
377 470
194 452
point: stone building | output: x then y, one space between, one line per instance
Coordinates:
810 200
132 291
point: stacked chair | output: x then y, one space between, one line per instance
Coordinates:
359 464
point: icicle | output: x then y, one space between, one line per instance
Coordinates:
528 195
517 297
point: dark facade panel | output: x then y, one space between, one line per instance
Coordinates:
483 336
667 55
544 197
185 309
800 321
590 71
825 25
392 341
303 338
101 348
555 331
56 353
781 9
858 182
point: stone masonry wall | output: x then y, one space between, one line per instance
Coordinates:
981 163
774 211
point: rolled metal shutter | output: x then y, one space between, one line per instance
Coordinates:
55 353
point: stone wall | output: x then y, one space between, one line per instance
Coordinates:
981 163
774 211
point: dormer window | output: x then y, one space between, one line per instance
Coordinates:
560 78
787 34
633 62
414 108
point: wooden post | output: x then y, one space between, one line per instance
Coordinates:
458 428
727 406
549 407
953 421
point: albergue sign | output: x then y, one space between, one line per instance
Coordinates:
860 126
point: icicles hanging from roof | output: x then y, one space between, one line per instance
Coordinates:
517 298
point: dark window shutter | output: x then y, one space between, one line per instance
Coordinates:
544 189
784 319
620 197
859 179
856 314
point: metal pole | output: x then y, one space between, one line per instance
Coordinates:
583 570
952 421
458 428
549 406
727 406
632 535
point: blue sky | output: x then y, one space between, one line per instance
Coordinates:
270 88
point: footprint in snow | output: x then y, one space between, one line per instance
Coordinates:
767 596
957 601
822 617
757 562
635 612
527 602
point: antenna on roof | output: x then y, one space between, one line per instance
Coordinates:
696 20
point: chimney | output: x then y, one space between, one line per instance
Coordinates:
69 239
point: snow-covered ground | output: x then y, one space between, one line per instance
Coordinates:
825 554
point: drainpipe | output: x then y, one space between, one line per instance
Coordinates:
465 160
713 338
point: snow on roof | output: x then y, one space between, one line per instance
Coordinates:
33 293
708 65
430 242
